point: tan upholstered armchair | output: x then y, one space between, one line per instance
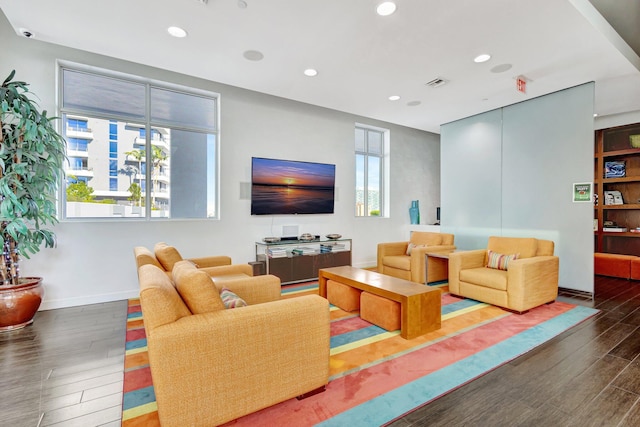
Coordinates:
210 364
407 260
517 284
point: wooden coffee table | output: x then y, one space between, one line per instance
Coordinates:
420 305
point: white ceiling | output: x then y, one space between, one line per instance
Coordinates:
362 58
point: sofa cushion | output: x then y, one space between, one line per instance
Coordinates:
160 302
167 255
426 238
230 299
401 262
545 248
525 246
144 256
196 288
499 261
487 277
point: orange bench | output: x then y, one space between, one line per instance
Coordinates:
616 265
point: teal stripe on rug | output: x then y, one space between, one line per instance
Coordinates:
131 345
403 399
357 335
295 288
460 305
134 315
134 398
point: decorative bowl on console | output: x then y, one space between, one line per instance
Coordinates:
271 239
307 237
334 236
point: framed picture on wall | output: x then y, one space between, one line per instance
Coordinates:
582 192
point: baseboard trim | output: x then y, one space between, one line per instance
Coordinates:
576 293
89 299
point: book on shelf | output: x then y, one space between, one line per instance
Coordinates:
276 253
613 197
615 229
304 251
332 247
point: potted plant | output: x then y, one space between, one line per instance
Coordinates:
31 159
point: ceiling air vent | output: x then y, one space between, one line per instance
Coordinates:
437 82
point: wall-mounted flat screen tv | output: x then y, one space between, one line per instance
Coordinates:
286 187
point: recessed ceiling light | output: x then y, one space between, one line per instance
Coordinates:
482 58
242 4
386 8
595 114
394 98
177 32
253 55
310 72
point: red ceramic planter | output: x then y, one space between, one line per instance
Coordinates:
19 304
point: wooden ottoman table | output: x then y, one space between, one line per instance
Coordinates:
420 305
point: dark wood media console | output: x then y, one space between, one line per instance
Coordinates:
293 267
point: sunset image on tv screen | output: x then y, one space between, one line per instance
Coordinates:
291 187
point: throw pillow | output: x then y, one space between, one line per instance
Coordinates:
500 261
230 299
411 246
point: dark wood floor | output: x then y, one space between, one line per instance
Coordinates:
588 376
67 368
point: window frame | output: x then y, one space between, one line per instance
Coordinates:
384 178
149 126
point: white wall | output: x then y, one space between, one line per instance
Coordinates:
510 172
94 260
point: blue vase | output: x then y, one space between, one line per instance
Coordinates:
414 212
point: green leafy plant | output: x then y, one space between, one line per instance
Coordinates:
31 159
136 194
79 192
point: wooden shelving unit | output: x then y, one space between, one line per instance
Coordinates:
614 144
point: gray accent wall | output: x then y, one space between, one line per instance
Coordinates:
510 172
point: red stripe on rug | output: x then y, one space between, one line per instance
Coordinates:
348 325
133 309
135 334
136 379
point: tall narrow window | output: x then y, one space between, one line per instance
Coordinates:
369 157
138 148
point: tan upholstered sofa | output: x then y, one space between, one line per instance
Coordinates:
211 365
529 281
406 260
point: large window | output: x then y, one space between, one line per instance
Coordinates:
370 144
137 148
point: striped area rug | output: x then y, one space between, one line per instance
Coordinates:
375 375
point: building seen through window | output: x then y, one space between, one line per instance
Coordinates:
369 158
127 162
